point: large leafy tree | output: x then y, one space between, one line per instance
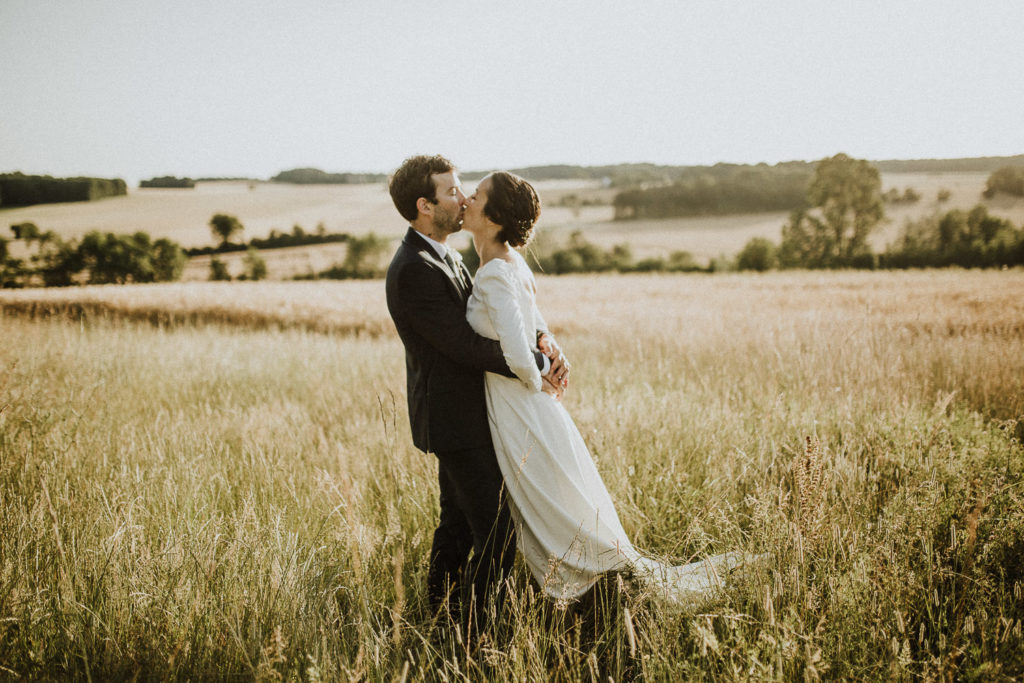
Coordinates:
844 205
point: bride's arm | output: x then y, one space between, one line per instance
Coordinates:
496 287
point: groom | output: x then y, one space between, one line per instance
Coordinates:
445 360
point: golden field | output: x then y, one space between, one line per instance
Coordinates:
209 481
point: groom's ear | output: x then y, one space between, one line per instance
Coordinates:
424 206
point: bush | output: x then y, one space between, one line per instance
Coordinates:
366 258
255 266
25 231
1008 179
219 270
103 257
971 239
758 254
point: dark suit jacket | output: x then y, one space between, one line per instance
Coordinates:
445 359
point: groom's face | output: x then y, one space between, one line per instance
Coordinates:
449 203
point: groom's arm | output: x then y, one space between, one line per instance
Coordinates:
430 311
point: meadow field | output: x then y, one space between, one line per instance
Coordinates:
183 215
216 481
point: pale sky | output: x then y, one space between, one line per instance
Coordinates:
139 88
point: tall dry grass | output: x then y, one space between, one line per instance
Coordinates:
210 498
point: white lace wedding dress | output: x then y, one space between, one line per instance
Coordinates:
567 526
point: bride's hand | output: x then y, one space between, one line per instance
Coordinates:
552 389
559 371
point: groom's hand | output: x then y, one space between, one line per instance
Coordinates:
559 371
549 387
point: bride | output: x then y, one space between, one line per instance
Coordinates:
567 527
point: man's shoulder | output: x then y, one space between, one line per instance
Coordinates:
412 267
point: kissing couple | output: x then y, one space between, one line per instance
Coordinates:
485 377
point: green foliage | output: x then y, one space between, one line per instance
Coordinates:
846 205
579 255
315 176
169 260
219 270
169 181
1008 179
25 231
968 239
893 196
119 259
105 258
366 258
255 266
716 190
972 164
56 263
276 240
758 254
224 227
17 189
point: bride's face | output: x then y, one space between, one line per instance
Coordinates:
474 220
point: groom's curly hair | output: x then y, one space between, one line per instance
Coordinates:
513 204
413 180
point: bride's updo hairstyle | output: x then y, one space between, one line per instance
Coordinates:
512 203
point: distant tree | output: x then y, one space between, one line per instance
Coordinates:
957 238
3 250
315 176
117 259
255 266
224 227
1008 179
25 231
169 260
846 205
56 262
943 195
363 258
219 270
168 181
758 254
682 262
621 258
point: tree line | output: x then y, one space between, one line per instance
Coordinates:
97 258
18 189
315 176
719 189
168 181
843 206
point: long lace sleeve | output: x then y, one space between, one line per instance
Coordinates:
500 291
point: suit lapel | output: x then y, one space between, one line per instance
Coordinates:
417 242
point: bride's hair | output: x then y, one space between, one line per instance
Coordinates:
513 204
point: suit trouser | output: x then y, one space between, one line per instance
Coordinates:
474 515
